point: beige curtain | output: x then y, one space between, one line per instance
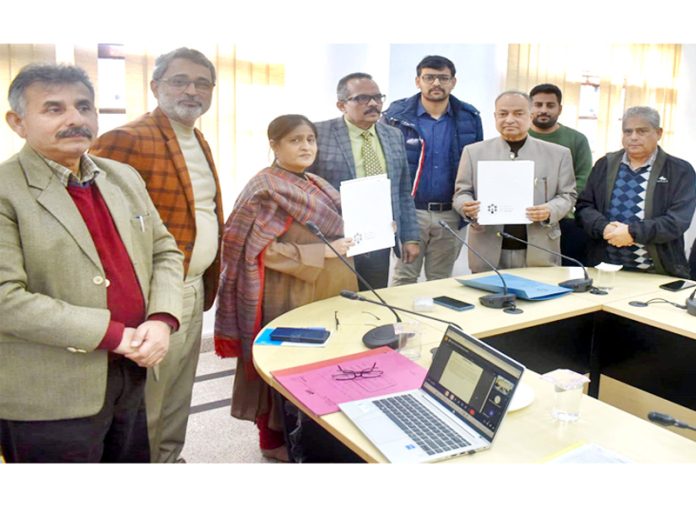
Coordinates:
630 75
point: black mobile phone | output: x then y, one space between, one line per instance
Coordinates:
300 334
678 285
454 304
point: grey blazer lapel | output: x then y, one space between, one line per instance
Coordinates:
53 196
340 132
388 149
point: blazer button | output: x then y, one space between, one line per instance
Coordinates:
107 282
98 280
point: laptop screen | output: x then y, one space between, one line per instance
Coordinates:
473 380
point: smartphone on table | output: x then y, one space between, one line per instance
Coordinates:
453 304
678 285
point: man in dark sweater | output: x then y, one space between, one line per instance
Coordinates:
639 201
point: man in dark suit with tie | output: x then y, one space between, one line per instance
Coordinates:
354 146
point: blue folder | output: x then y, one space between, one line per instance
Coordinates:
523 288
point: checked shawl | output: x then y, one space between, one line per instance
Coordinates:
264 211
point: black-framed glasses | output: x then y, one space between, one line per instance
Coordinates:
371 372
181 83
430 78
365 99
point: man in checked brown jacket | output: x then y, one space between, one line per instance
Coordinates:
176 163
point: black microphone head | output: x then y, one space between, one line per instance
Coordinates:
660 418
349 294
313 227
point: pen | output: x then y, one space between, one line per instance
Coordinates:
142 223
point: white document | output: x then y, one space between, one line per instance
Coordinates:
367 213
505 189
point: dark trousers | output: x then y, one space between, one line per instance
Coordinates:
574 242
373 267
116 434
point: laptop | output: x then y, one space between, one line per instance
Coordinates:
457 410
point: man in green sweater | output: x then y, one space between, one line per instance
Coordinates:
546 108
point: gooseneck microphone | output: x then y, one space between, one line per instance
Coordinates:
668 420
497 300
576 284
381 335
349 294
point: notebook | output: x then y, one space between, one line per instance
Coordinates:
457 410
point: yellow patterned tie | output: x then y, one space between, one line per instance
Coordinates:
369 156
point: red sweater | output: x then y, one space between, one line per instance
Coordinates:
124 296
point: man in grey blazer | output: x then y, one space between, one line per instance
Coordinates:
90 283
355 145
554 190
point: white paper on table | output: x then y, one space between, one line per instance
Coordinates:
367 213
505 189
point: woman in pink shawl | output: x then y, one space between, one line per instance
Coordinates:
271 263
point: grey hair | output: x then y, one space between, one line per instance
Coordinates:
342 88
162 62
514 92
647 113
48 74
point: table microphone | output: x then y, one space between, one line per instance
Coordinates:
497 300
691 304
349 294
381 335
576 284
668 420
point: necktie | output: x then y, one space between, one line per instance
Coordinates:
369 156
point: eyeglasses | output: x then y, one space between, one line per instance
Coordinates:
365 99
181 83
371 372
430 78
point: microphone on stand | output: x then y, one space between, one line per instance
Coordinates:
381 335
576 284
497 300
668 420
349 294
691 304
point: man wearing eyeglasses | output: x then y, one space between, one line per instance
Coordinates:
177 165
356 145
554 190
436 128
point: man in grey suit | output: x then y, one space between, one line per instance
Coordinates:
354 146
90 283
554 190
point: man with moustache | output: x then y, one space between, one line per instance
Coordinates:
90 283
356 145
554 190
639 201
436 127
546 108
177 165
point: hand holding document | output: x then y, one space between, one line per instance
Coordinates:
505 189
367 213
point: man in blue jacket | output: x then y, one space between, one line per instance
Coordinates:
436 127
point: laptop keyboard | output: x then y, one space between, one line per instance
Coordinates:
429 432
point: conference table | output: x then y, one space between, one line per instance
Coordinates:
638 359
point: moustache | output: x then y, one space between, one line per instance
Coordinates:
373 110
75 132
